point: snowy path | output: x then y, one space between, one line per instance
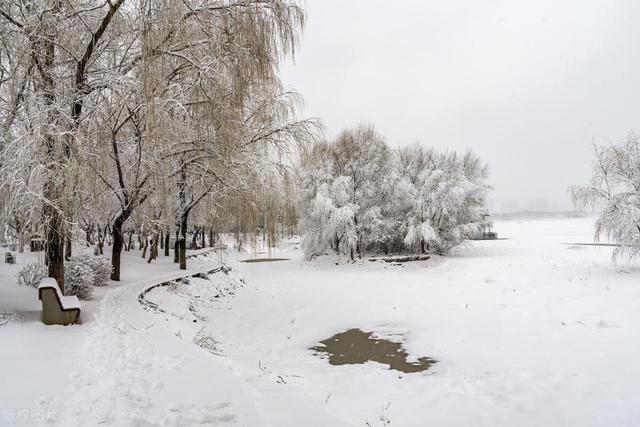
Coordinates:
123 366
135 372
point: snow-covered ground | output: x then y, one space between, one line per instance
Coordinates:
527 331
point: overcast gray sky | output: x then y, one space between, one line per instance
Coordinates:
528 85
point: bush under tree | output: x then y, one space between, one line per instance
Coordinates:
31 274
82 273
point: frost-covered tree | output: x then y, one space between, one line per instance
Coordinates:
345 186
414 193
118 110
357 195
51 66
615 190
212 74
448 193
362 163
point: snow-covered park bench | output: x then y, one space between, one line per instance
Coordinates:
57 309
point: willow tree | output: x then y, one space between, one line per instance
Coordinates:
52 61
229 160
124 159
133 96
264 212
217 71
615 190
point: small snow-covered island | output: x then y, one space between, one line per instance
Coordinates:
319 213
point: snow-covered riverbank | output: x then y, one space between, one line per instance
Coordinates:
526 331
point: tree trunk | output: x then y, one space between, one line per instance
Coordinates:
183 240
144 248
166 243
54 176
176 248
67 247
153 250
21 242
108 235
54 239
202 238
211 237
358 246
161 240
156 239
55 250
194 238
100 241
118 243
184 213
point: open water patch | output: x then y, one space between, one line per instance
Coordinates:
355 346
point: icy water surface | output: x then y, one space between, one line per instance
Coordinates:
265 260
355 347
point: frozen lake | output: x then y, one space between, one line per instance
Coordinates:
527 331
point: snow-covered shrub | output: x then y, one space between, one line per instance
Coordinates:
31 274
78 278
101 269
81 274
